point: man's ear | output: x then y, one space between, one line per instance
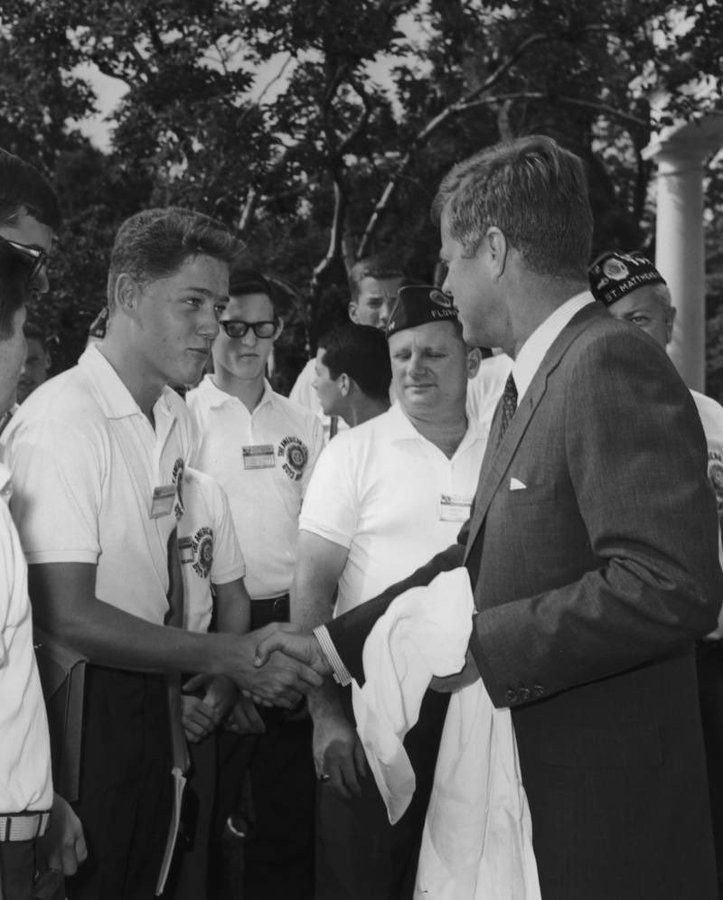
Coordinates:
353 310
345 384
669 323
279 328
474 360
498 248
126 293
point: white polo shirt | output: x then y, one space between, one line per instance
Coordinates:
392 498
263 460
86 465
207 546
25 778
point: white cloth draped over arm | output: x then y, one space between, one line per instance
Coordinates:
477 842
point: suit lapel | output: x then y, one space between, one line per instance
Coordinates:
498 456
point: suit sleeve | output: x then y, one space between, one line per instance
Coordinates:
348 632
635 463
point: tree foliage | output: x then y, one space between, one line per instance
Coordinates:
318 129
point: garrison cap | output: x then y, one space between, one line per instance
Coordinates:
613 275
418 304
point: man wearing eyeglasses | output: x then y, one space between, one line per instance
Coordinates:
261 447
29 214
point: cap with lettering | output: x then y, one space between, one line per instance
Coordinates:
613 275
419 304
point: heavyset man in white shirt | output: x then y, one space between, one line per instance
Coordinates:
384 497
261 448
99 454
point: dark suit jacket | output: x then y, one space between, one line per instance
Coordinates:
591 585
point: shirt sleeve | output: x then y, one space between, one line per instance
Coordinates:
56 501
316 445
331 504
228 561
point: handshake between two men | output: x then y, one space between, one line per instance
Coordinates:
279 664
289 662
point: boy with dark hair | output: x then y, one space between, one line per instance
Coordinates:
353 373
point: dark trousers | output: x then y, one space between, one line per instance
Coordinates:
709 661
189 872
227 850
359 855
269 783
17 868
280 848
125 787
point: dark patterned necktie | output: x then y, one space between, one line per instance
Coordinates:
509 405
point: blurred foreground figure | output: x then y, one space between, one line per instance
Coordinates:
37 829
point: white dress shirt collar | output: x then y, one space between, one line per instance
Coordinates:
542 338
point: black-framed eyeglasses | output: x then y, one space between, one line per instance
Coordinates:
35 258
237 328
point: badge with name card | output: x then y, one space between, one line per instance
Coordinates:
259 456
164 498
454 508
185 549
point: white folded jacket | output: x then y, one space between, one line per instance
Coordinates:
477 842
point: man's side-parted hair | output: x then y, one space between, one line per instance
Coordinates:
244 281
534 191
154 243
362 353
372 267
14 291
22 186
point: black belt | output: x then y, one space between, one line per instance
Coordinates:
272 609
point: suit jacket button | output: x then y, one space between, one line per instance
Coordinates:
511 696
538 690
523 694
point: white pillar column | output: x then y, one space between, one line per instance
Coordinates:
680 256
680 152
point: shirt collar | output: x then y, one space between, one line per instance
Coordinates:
533 351
4 482
114 398
402 429
215 397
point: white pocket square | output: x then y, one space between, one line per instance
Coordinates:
517 485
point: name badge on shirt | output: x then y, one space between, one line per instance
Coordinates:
185 549
164 498
453 508
259 456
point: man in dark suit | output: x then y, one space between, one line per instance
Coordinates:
591 546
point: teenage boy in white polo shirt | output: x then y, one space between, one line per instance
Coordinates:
98 456
261 447
384 497
213 570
